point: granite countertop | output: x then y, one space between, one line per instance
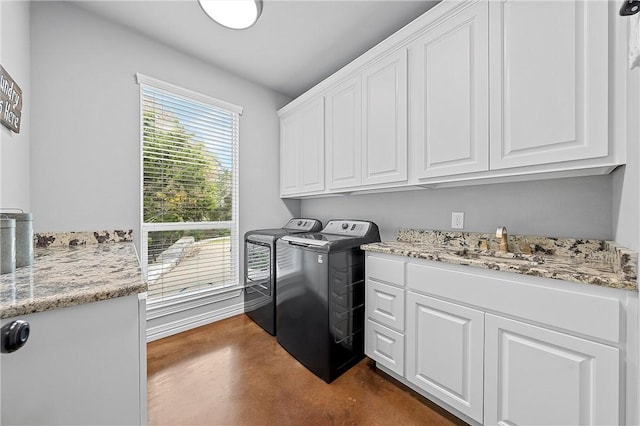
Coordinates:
595 262
71 275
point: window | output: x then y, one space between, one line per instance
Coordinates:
189 226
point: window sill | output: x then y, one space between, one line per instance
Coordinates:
174 305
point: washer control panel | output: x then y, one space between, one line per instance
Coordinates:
352 228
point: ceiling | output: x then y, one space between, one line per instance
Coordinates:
294 45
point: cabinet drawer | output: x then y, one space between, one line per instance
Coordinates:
384 346
567 309
385 270
385 304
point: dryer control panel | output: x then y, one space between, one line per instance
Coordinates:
302 224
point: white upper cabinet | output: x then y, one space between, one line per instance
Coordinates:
302 150
449 96
549 81
472 91
384 116
344 134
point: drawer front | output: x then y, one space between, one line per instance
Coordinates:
385 305
385 270
566 309
384 346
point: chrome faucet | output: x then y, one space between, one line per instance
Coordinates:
502 233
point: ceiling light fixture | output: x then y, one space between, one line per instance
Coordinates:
234 14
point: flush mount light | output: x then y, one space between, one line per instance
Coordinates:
234 14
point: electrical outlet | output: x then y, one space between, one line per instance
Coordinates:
457 220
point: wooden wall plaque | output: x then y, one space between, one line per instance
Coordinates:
10 102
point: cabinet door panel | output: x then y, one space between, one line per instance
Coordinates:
445 352
302 150
549 98
291 132
538 376
312 148
450 113
385 120
385 304
385 346
344 129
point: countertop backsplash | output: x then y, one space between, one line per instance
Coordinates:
62 239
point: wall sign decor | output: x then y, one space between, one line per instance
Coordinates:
10 101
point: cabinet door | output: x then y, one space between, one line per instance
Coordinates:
384 346
538 376
290 134
445 352
312 148
343 131
80 366
302 150
384 116
449 69
549 64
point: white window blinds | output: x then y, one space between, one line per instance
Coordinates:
189 192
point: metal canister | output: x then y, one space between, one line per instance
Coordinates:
7 245
24 237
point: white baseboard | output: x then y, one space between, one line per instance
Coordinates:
178 326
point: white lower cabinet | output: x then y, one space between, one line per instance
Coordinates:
498 348
82 365
444 343
536 376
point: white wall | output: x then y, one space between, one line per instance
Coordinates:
85 160
576 207
14 148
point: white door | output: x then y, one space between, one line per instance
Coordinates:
312 148
444 352
549 64
449 69
384 116
536 376
343 134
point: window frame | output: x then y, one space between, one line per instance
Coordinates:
178 303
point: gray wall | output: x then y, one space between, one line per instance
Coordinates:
14 148
85 157
626 180
575 207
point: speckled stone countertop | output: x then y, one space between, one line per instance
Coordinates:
66 276
596 262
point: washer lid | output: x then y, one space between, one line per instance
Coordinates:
307 240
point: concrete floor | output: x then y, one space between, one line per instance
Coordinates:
233 373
